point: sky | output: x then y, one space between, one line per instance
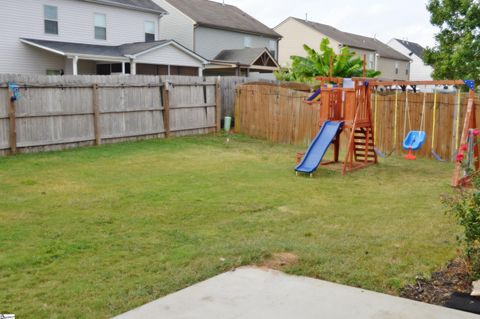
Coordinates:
383 19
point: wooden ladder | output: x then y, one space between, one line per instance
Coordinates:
363 145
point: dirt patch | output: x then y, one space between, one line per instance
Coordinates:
280 260
438 289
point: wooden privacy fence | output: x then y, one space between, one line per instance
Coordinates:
68 111
279 114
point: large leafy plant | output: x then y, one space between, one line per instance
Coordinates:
305 69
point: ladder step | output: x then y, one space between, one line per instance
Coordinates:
363 155
370 160
362 150
363 144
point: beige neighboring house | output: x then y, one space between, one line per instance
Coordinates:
379 56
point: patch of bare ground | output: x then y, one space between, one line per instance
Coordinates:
279 260
454 278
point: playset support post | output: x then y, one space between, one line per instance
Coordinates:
469 124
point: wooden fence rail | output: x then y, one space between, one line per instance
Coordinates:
279 115
59 112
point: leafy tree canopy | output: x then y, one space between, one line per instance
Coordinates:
305 69
457 53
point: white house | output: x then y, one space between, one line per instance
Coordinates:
379 56
233 41
419 70
90 37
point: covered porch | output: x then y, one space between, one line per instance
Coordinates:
242 62
165 57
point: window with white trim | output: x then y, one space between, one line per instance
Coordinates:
149 31
100 26
396 67
247 42
407 70
50 17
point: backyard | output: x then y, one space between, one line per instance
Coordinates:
95 232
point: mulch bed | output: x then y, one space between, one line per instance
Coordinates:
439 288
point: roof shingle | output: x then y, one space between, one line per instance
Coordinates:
217 15
356 41
415 48
98 50
142 5
245 56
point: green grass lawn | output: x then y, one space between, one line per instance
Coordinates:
94 232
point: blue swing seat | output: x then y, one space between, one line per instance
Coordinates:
414 140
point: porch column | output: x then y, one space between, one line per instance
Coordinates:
123 68
133 67
200 71
75 65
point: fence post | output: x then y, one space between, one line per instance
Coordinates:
13 124
166 109
455 118
218 105
96 115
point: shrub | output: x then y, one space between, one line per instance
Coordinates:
465 206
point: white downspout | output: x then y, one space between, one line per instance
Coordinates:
133 67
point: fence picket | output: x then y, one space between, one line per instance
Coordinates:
278 114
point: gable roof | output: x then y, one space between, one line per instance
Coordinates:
355 41
217 15
127 50
414 48
247 56
139 5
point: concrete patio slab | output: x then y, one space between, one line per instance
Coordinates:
251 292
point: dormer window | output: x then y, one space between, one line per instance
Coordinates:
149 31
50 16
100 26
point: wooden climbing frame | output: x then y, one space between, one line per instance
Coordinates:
352 106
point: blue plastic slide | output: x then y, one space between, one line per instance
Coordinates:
316 151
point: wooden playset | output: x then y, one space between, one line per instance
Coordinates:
345 108
352 108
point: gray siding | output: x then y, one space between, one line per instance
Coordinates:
169 55
209 42
24 19
387 67
418 69
176 25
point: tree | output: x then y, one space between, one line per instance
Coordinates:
305 69
457 53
